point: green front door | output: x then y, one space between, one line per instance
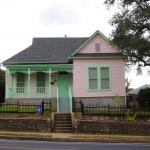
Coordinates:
63 93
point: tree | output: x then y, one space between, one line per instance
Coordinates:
132 30
2 85
144 98
128 84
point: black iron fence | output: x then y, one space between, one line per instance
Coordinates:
25 107
109 110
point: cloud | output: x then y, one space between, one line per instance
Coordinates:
59 14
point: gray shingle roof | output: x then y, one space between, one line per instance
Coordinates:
47 50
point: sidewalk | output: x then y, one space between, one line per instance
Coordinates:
71 137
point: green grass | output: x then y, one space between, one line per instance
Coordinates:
14 109
22 109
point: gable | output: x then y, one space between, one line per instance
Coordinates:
105 47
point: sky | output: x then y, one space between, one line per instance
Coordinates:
21 20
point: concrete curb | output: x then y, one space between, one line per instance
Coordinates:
72 139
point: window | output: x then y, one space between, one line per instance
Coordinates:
40 82
104 78
20 83
97 47
99 78
92 78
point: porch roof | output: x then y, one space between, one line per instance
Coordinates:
40 68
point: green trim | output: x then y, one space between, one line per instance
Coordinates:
86 42
28 82
39 68
41 65
49 82
7 83
57 100
99 77
110 77
70 96
25 86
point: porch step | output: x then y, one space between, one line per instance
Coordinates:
63 123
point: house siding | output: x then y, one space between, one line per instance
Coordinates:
80 78
104 46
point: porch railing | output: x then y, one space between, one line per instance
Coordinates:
41 90
20 90
23 91
70 97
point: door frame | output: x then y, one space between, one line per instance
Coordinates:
58 100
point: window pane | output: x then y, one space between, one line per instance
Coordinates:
19 84
40 79
40 84
20 77
93 84
105 83
97 47
105 72
92 73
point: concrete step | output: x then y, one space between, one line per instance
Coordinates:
63 128
63 123
63 118
62 115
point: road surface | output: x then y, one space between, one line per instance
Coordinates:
44 145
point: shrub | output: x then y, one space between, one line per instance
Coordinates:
144 98
2 85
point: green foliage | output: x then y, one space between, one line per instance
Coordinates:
117 100
131 116
144 98
2 85
132 29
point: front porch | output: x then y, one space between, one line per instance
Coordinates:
39 82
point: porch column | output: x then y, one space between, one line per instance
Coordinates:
7 84
28 83
49 82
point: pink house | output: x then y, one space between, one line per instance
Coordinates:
67 69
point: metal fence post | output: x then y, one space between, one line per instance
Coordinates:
82 107
17 106
42 107
108 109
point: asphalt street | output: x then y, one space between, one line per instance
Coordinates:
44 145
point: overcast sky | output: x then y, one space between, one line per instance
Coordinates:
21 20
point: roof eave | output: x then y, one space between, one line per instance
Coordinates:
102 57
